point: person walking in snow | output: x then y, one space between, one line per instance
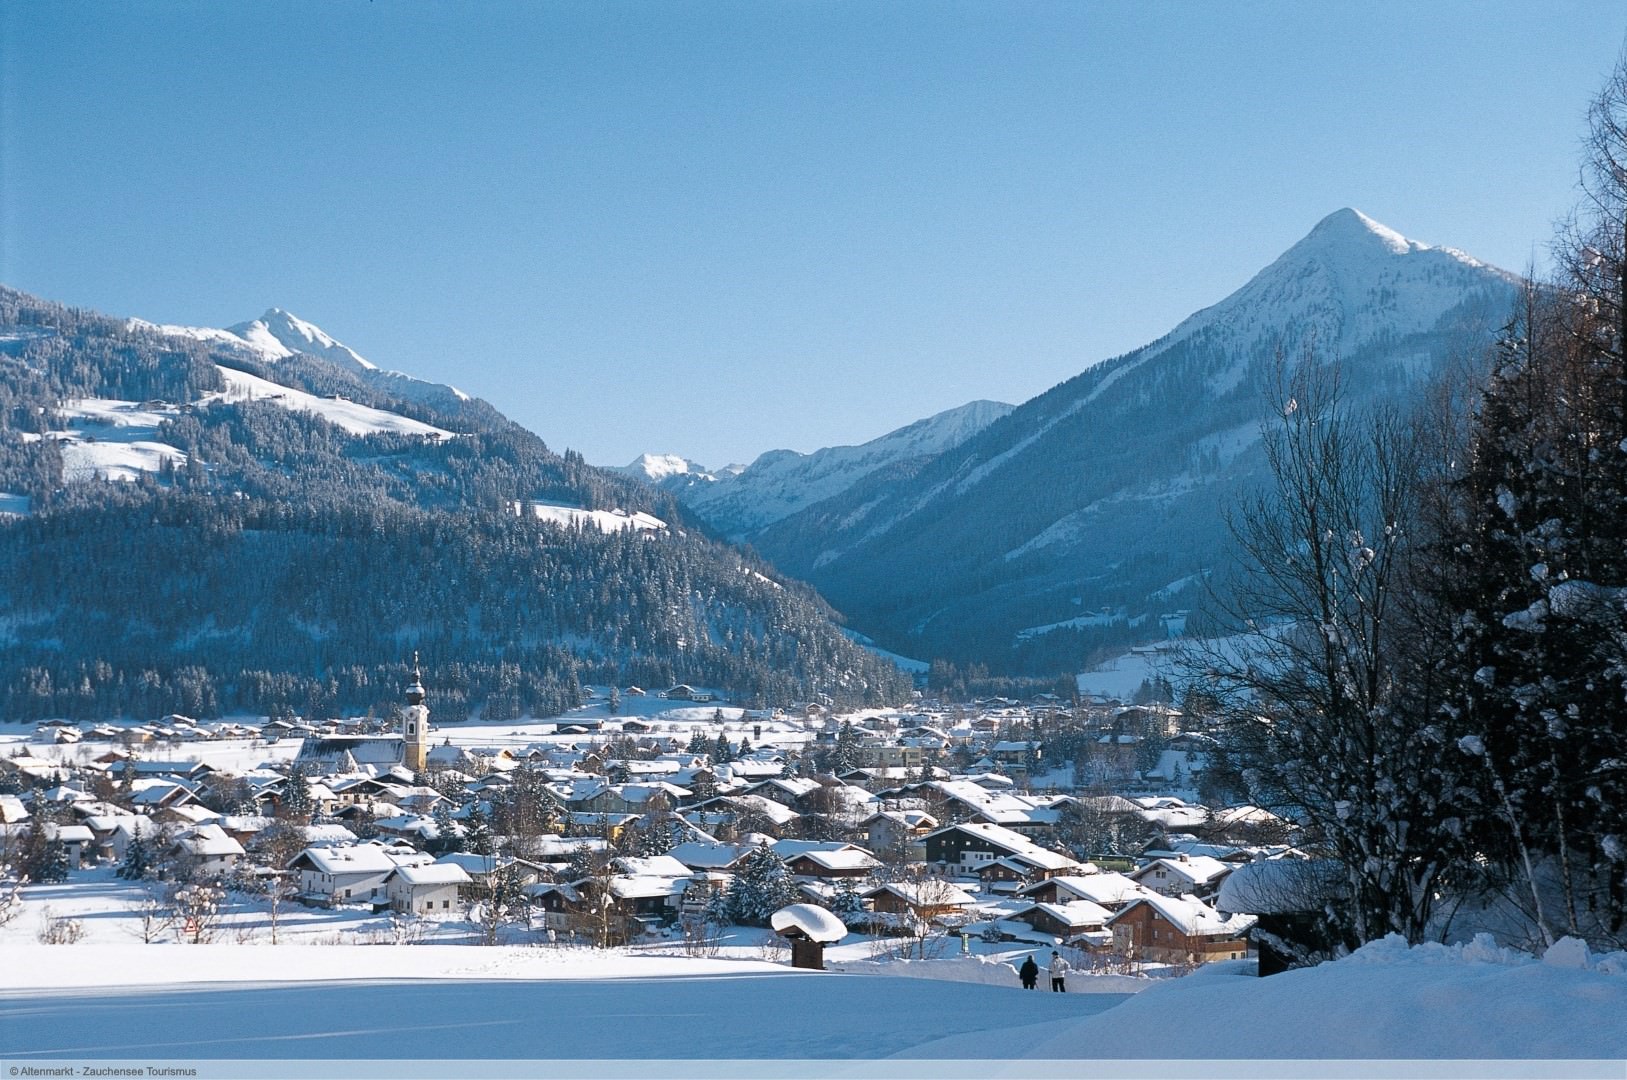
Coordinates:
1059 972
1029 973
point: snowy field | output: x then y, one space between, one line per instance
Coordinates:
444 1002
590 1008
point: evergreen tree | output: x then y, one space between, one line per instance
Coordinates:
1533 572
446 829
762 885
477 835
296 795
138 860
42 860
1533 575
845 758
846 903
719 911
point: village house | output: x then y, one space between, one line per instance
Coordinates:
846 861
966 847
77 842
206 849
1197 875
886 829
1076 922
1178 930
435 888
928 900
1112 891
1006 874
355 874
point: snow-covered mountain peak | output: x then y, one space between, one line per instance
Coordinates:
279 328
1350 226
655 468
278 335
1349 282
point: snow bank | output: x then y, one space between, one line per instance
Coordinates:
1387 1000
985 971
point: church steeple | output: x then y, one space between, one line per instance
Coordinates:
415 722
415 690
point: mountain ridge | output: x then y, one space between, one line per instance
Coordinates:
739 501
1110 486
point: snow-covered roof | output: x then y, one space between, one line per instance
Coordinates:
1108 889
653 866
193 812
811 920
851 858
1013 843
778 813
208 841
704 855
936 893
72 834
473 863
436 873
1197 869
1077 914
796 786
1246 815
357 859
1000 807
1190 916
327 834
635 887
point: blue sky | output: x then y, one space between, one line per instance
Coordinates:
718 228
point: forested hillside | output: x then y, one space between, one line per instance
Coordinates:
178 536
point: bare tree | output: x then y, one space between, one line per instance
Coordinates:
196 911
151 918
1325 728
12 881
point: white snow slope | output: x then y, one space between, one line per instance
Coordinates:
606 521
447 1002
108 439
355 418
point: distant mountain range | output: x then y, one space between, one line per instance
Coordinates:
201 520
740 501
1035 536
